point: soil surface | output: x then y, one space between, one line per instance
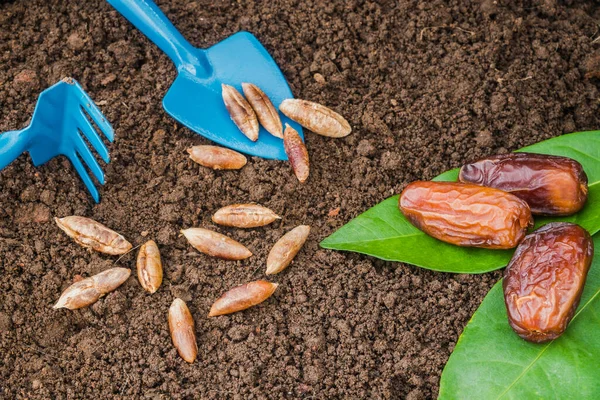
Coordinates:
425 85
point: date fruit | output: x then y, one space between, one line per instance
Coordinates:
242 297
93 235
465 214
544 280
551 185
181 327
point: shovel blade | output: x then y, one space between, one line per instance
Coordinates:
197 102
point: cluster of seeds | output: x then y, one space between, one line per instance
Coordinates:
257 108
246 113
95 236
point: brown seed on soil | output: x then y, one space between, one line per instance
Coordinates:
87 291
297 153
216 157
244 216
91 234
286 248
241 112
216 245
181 326
149 267
316 117
465 214
242 297
265 110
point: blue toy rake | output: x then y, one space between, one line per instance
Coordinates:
62 117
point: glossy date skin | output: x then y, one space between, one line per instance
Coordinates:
551 185
466 214
544 280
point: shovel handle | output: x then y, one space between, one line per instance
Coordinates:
12 145
148 18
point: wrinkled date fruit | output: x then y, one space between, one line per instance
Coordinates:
149 267
316 117
241 112
242 297
544 280
216 157
91 234
265 110
216 245
465 214
297 153
244 216
551 185
181 327
286 248
87 291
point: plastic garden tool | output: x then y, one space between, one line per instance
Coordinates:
194 98
61 120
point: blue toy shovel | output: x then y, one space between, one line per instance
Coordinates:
59 120
195 98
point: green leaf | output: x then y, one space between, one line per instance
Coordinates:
383 232
491 362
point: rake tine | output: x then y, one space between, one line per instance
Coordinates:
94 112
86 155
90 133
84 176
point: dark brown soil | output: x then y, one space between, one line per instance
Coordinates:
426 86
